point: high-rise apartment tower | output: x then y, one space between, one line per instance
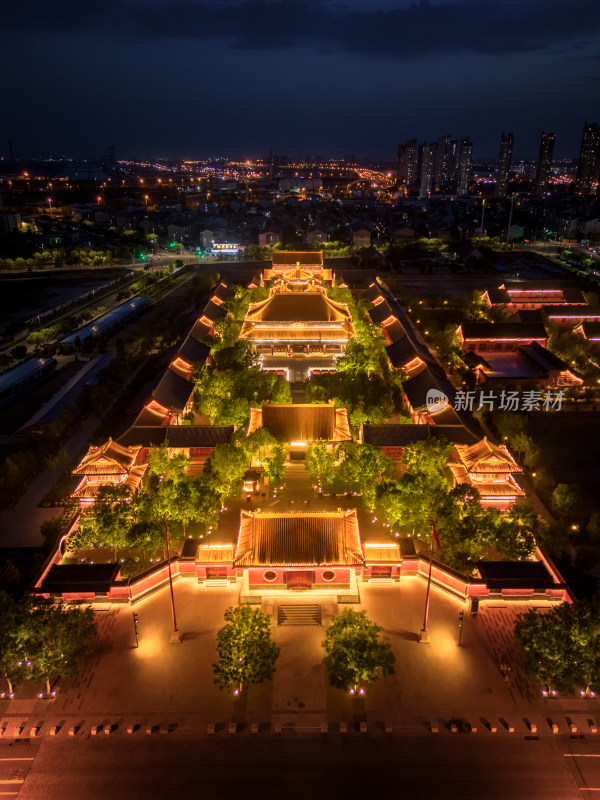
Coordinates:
588 168
544 164
504 163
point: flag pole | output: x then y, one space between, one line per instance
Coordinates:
424 634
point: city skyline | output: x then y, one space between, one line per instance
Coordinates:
193 80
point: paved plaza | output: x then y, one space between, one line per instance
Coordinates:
434 685
295 733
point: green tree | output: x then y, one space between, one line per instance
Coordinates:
516 531
229 463
562 646
320 463
57 637
275 465
356 653
13 628
246 653
565 500
166 465
107 522
361 467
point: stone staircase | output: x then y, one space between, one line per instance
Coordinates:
299 614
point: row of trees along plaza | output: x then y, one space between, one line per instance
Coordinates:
141 529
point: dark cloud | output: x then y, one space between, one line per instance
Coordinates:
495 27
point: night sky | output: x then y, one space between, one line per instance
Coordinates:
187 78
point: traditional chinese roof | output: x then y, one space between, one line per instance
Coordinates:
499 331
487 458
403 352
319 539
416 388
110 458
498 296
310 258
173 391
178 436
284 305
533 286
589 330
297 332
302 422
74 578
193 351
215 554
381 312
526 315
222 292
382 553
575 312
152 414
395 330
506 487
200 329
87 489
544 358
296 274
374 292
213 311
515 575
403 435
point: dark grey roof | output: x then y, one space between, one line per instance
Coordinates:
591 330
503 330
200 330
381 312
571 311
177 435
498 296
526 315
222 292
395 331
190 548
213 311
515 575
533 286
193 351
373 291
416 388
543 357
573 296
80 578
173 391
403 435
405 350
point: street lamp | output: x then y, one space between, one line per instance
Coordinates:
50 204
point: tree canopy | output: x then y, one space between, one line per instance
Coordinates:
562 646
356 653
40 638
246 653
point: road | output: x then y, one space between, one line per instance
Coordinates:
332 766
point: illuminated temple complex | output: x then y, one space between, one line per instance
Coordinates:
490 469
301 538
298 319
